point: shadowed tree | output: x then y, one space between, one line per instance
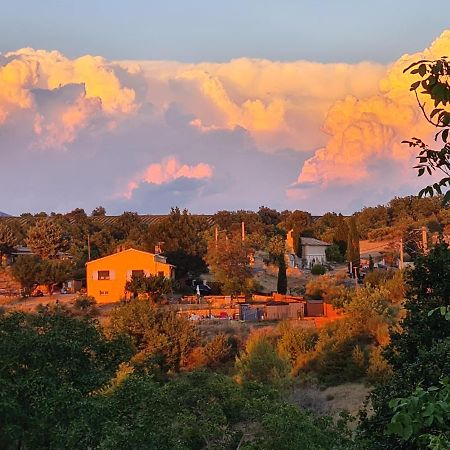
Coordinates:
8 240
228 260
45 238
353 243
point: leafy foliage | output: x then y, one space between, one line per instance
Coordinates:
161 338
154 287
50 364
7 239
318 269
282 282
228 259
260 362
434 85
45 238
419 352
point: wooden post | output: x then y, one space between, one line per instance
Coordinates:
424 240
402 264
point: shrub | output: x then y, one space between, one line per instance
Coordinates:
330 289
217 351
84 302
295 341
318 269
333 254
379 370
338 355
160 336
261 362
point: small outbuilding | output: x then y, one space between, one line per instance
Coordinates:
313 251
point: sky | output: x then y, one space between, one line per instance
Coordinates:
145 105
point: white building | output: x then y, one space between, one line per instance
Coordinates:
313 251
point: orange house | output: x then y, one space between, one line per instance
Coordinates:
106 277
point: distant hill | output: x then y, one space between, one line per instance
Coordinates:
2 214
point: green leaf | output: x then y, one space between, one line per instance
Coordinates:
446 198
422 70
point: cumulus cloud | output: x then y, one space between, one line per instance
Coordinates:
166 172
280 132
77 92
366 133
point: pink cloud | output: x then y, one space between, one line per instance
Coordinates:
166 171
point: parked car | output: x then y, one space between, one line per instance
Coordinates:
37 293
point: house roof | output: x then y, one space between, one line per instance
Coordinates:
313 242
129 250
374 254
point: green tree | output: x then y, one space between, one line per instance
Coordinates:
261 363
51 364
282 282
333 253
269 216
161 337
156 287
99 211
419 351
45 238
183 241
300 222
228 260
340 237
27 270
218 351
433 85
54 272
8 240
353 255
276 247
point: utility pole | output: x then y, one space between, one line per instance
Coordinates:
89 246
356 277
243 231
402 264
216 234
424 240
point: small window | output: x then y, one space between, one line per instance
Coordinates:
137 273
103 275
160 274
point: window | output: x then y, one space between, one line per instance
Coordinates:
104 292
103 275
137 273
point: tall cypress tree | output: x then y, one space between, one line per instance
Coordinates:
341 235
282 277
353 255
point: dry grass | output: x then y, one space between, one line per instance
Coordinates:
333 400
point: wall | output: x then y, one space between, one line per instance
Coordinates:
314 252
